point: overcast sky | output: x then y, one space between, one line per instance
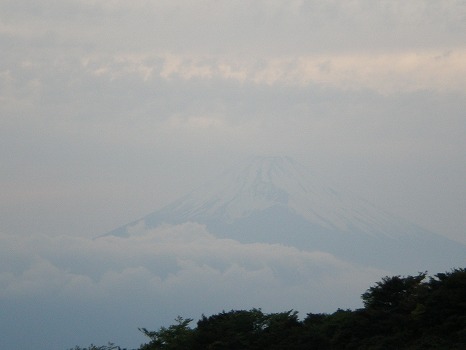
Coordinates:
110 109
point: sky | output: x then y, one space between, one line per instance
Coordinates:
111 109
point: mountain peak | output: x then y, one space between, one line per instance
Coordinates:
263 182
276 200
258 183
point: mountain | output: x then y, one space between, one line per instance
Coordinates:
276 200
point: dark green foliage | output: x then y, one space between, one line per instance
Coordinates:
176 336
413 312
109 346
229 330
395 294
247 329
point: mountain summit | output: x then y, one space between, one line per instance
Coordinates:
276 200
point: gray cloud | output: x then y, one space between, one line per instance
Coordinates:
237 26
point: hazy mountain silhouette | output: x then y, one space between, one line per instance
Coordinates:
276 200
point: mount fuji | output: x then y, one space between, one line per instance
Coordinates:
275 200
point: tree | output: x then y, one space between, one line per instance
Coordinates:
236 329
109 346
445 305
395 294
177 336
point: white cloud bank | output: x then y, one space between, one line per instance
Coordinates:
153 276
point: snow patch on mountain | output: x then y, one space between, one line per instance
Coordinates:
270 181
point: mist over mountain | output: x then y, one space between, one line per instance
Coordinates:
111 110
276 200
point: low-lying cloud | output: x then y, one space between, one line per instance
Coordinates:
154 275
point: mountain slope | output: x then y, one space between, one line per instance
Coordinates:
276 200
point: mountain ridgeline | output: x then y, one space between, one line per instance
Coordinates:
275 200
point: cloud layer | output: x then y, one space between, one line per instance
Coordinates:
152 276
237 26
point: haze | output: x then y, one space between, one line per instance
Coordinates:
111 109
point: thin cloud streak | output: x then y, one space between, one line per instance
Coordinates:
403 72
